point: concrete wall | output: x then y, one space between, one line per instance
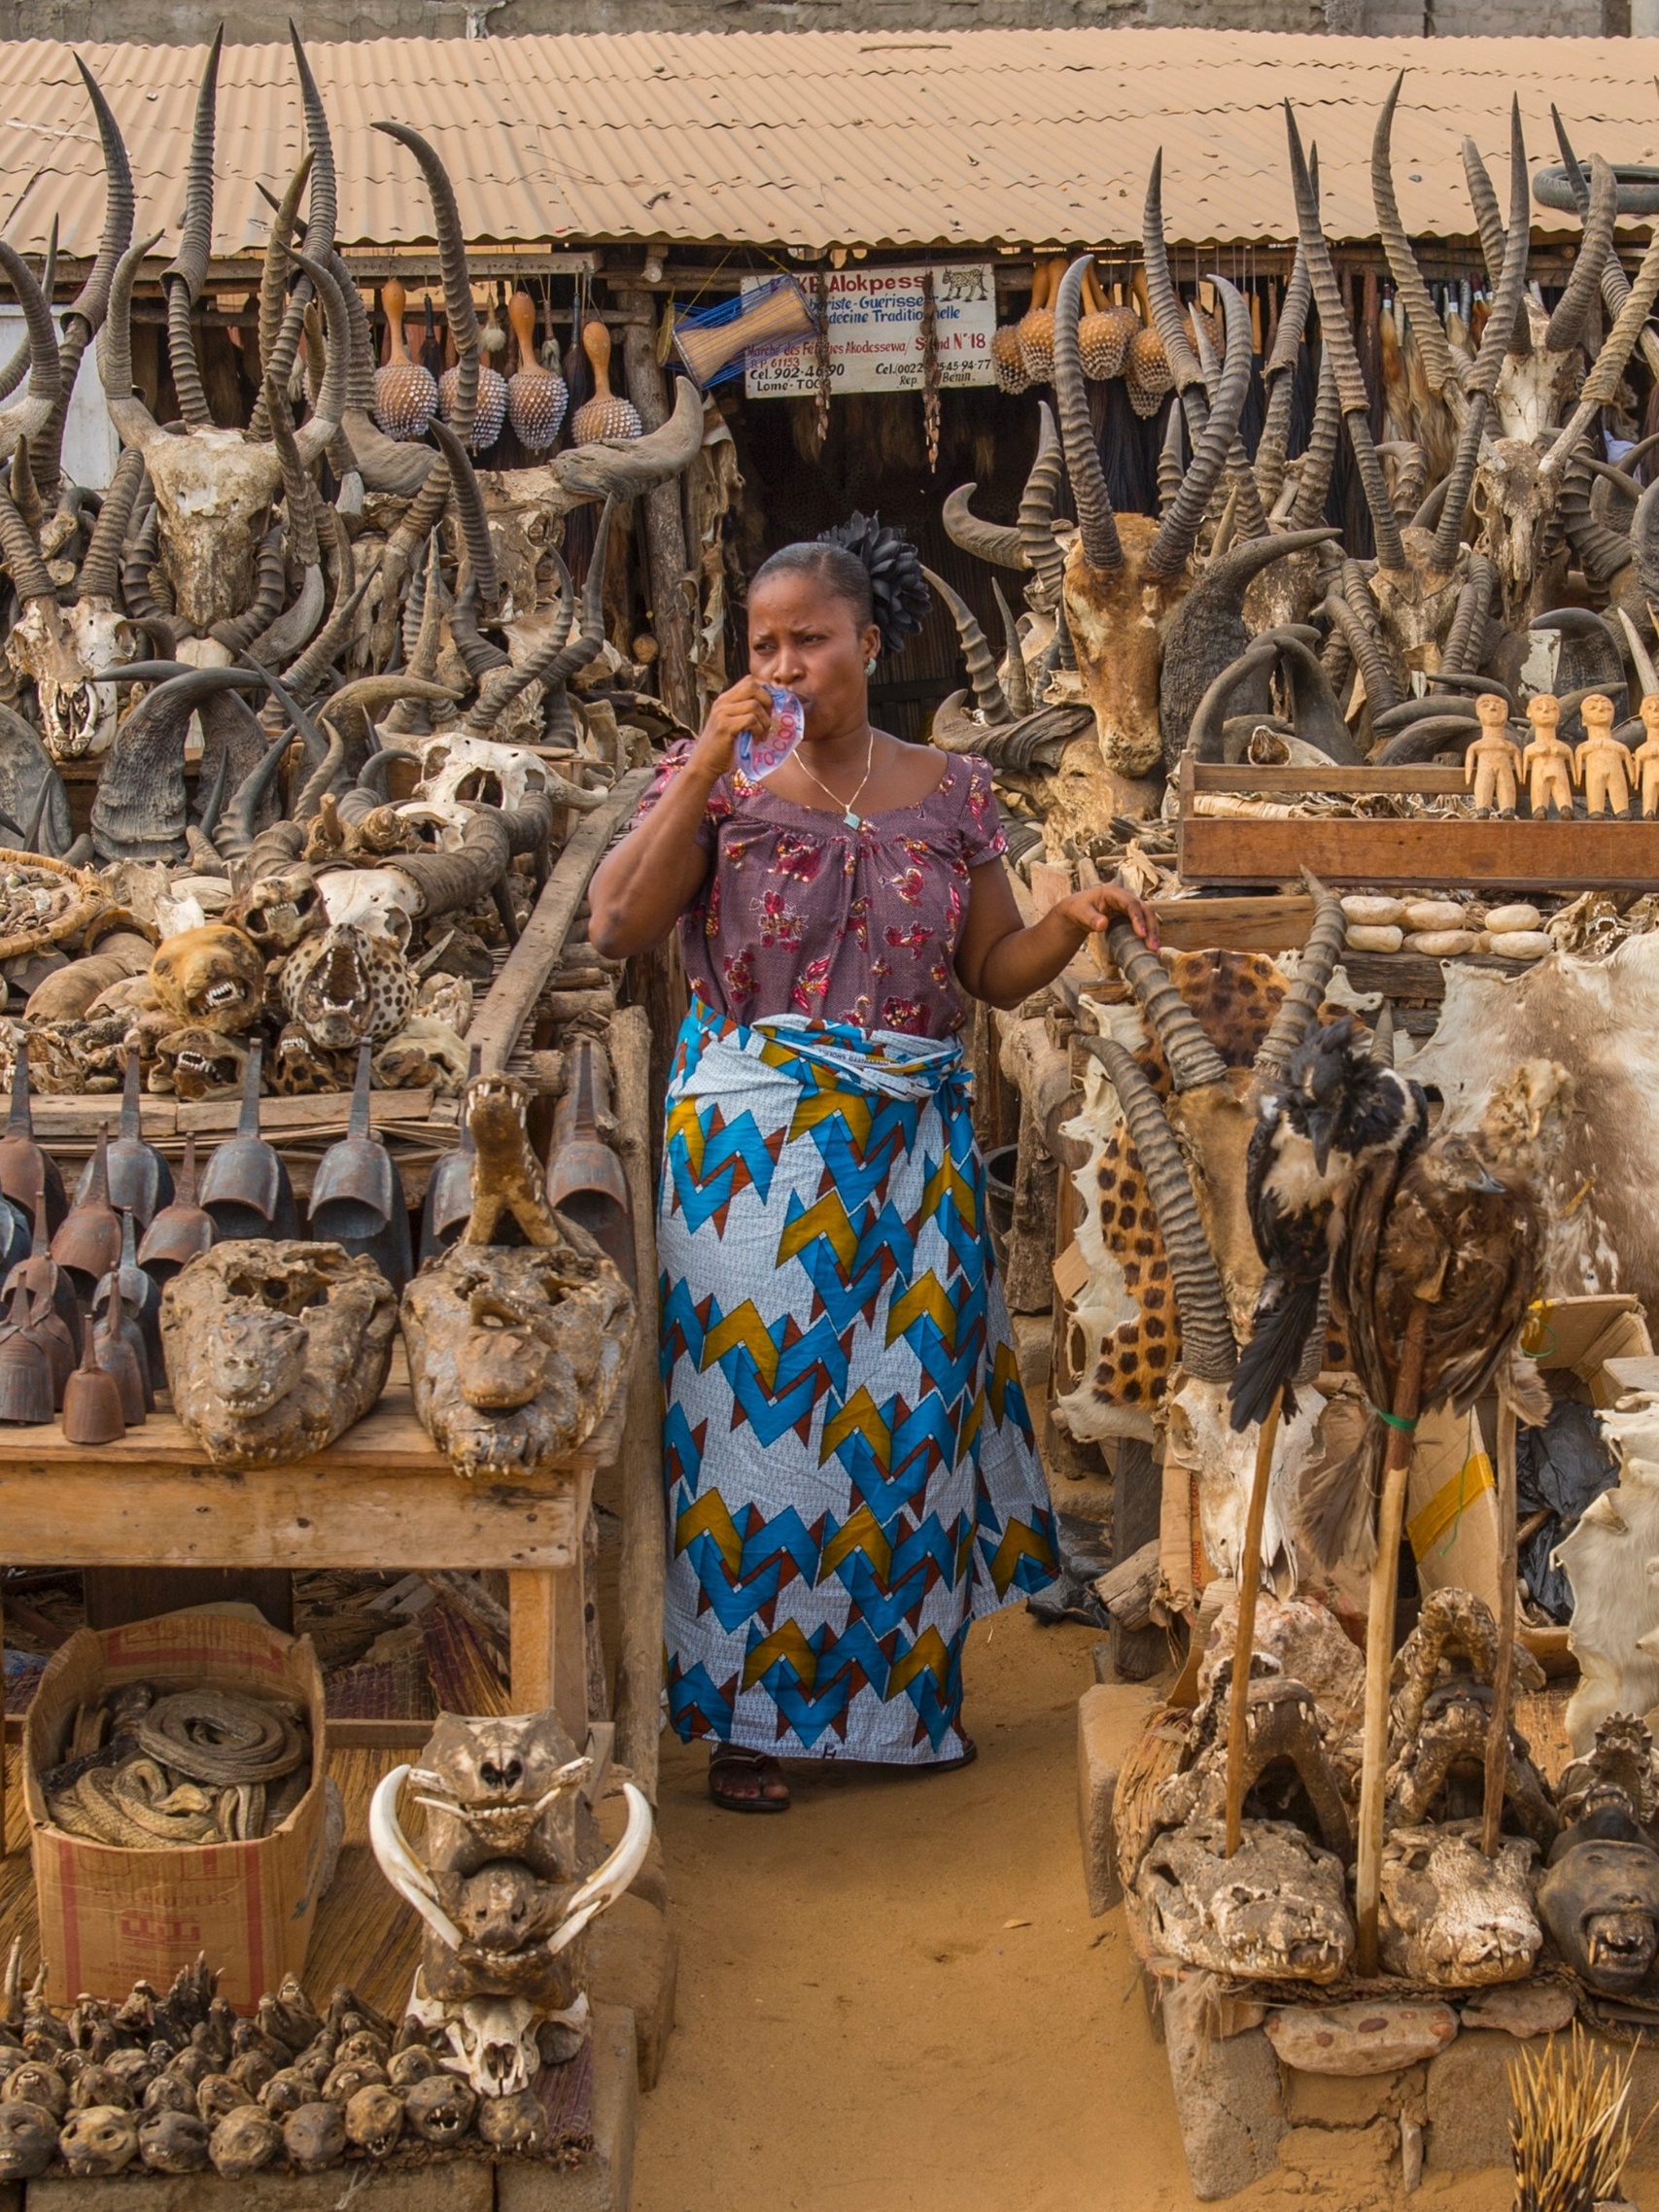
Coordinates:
186 21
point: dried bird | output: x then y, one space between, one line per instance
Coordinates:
1334 1108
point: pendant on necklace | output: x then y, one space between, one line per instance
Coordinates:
851 820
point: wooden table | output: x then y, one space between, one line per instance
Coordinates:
379 1497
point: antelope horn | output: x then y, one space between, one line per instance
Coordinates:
446 882
1601 386
470 511
280 318
1017 685
32 414
317 432
1209 1350
1166 315
1338 341
988 694
1207 623
186 273
1566 324
451 238
323 213
1194 1060
100 570
1169 462
1487 220
384 464
19 551
624 468
1382 1035
1036 523
22 361
1274 443
997 542
1097 526
1645 541
1301 1002
1468 620
1177 532
1432 344
1319 457
92 302
1489 361
135 424
1204 738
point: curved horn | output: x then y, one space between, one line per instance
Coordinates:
21 553
1601 386
22 360
90 303
32 413
1319 457
1467 631
323 213
135 424
400 1865
1096 525
997 542
613 1875
186 273
1177 532
1566 324
1488 220
1432 344
100 570
988 694
1036 523
1204 737
1016 684
458 304
628 467
317 432
1209 1350
1194 1060
234 834
1382 1035
280 318
1338 340
470 511
1301 1007
1278 374
1167 318
557 661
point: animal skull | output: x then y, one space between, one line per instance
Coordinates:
211 978
64 654
214 489
376 899
460 770
494 2044
1450 1915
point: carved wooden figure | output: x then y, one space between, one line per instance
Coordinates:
1601 764
1547 760
1644 759
1489 764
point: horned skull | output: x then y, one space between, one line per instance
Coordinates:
64 654
378 901
457 768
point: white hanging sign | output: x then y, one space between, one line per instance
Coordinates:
875 332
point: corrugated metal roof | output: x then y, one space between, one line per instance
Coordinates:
814 138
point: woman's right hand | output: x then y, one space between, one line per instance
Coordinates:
747 705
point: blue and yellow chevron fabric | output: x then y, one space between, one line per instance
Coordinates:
851 1471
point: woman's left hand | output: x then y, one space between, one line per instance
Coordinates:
1094 912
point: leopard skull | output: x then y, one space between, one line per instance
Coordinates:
347 988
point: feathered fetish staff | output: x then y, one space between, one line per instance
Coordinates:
1433 1267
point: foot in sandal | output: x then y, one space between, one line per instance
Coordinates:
747 1782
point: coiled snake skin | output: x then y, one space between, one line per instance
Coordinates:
192 1767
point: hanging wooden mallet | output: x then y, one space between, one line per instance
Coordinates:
1244 1641
1379 1638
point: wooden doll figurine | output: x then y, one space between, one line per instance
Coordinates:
1548 762
1489 764
1644 760
1601 764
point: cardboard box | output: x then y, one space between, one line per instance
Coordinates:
109 1917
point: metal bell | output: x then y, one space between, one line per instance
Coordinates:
449 1188
357 1197
140 1299
92 1404
585 1180
246 1188
139 1177
48 1286
118 1356
87 1245
179 1231
22 1162
27 1397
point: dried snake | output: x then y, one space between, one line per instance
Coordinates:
189 1768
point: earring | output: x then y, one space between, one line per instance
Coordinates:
870 668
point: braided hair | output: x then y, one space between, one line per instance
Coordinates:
877 573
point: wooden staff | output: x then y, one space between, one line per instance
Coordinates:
1244 1642
1379 1637
1504 1671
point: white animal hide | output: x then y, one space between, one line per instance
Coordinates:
1600 1020
1201 1439
1611 1560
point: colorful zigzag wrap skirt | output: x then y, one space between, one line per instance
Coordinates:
849 1465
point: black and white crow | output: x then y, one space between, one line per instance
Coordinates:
1334 1107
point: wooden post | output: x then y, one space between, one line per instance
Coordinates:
1244 1642
1379 1641
664 532
639 1635
549 1644
1504 1673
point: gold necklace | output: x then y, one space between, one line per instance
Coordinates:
848 807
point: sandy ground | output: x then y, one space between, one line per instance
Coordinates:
892 1999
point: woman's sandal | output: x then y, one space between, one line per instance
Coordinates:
731 1761
970 1752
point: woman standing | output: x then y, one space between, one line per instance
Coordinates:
850 1462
